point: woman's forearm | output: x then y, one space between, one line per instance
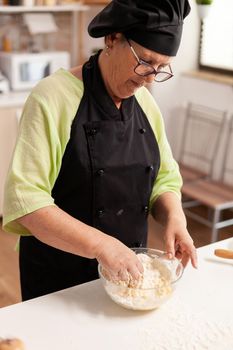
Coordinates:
168 207
58 229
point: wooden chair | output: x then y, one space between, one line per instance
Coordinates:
215 195
201 125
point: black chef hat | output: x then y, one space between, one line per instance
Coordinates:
154 24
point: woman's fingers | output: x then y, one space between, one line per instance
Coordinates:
187 251
135 272
122 275
120 261
194 260
131 270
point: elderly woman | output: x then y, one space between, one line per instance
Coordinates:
92 158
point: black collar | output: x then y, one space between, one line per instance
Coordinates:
94 87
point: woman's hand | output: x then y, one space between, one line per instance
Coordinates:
118 259
179 243
167 210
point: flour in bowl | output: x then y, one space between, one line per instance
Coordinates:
149 292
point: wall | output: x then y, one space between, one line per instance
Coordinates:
208 93
169 95
173 95
91 43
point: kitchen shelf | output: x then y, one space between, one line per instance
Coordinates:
55 8
76 10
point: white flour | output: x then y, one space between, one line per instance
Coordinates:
152 289
187 331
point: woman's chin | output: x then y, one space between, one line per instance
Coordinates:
130 92
133 87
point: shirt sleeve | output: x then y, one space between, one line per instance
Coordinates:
43 134
168 178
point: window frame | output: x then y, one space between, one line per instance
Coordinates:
206 67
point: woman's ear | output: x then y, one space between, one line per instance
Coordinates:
113 38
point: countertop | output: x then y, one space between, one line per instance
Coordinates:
198 316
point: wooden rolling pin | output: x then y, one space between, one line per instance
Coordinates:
224 253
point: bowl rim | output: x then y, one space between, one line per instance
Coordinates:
138 249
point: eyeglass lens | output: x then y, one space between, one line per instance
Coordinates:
143 69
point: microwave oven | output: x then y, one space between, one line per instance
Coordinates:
24 70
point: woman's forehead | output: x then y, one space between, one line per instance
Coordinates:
150 55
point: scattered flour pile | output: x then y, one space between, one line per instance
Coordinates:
181 328
152 289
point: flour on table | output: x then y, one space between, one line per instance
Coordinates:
187 330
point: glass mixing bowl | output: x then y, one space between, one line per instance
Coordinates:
160 283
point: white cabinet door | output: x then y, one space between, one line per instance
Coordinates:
8 134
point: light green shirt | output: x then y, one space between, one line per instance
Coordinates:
43 135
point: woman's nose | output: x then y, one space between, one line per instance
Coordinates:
150 78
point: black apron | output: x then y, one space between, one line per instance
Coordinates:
106 178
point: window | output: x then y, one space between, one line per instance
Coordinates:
216 44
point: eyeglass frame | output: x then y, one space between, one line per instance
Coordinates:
155 72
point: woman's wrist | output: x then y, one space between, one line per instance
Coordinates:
179 219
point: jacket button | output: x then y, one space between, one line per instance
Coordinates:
92 132
142 130
150 168
137 245
100 172
145 209
120 212
100 213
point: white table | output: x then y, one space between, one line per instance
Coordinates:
199 316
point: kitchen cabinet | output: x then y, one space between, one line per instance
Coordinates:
8 134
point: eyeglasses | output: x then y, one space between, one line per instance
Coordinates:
144 69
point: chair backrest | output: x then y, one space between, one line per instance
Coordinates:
201 135
227 168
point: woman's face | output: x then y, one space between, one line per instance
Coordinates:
119 63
